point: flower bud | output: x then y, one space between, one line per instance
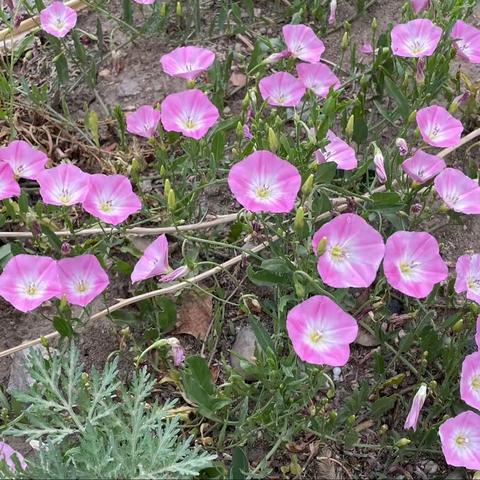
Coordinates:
44 342
351 419
374 24
299 222
166 188
179 9
66 248
458 326
350 125
307 187
379 163
433 385
412 117
171 200
459 101
402 146
239 129
272 140
403 442
383 429
163 171
322 246
345 41
420 74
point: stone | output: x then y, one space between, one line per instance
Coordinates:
244 350
20 379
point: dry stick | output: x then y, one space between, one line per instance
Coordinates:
209 273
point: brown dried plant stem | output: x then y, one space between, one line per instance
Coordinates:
341 206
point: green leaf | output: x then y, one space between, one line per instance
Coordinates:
326 172
52 238
263 337
5 254
266 278
360 128
63 327
61 66
127 11
239 465
166 314
383 405
399 97
385 201
218 145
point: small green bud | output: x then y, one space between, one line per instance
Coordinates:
351 419
163 171
347 26
299 288
364 81
166 188
307 187
171 200
239 129
333 415
179 9
383 429
412 117
374 24
191 83
433 385
163 10
458 327
322 246
272 140
330 393
345 41
350 125
403 442
299 222
44 342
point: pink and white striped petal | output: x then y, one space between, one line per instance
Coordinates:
9 187
143 121
24 160
438 128
459 192
422 167
318 78
470 380
153 262
417 38
281 90
338 151
187 62
415 409
302 43
466 40
468 276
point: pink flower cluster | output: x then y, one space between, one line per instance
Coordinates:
107 197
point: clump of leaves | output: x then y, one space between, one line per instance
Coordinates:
93 426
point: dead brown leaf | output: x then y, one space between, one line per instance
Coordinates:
194 314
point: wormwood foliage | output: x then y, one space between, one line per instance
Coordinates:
92 426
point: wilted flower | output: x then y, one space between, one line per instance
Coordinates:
174 274
24 160
281 90
438 128
144 121
7 454
276 57
318 78
419 5
63 185
177 352
82 279
470 380
345 262
417 38
366 48
190 113
402 146
417 404
333 12
420 71
153 262
459 101
477 334
66 248
302 43
423 166
379 163
8 185
338 151
110 198
29 280
58 19
459 192
321 331
413 264
246 132
468 276
461 440
263 182
187 62
466 40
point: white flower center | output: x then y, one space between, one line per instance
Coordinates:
106 206
81 286
338 253
31 289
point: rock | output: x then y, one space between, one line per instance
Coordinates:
431 467
19 378
244 350
128 88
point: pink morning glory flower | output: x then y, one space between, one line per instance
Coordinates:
468 276
477 334
8 185
338 151
470 380
187 62
302 43
174 274
24 160
63 185
353 252
189 112
413 264
263 182
417 404
58 19
466 40
281 90
29 280
153 262
110 198
460 438
318 78
423 166
321 332
417 38
438 128
143 121
459 192
7 454
82 279
419 5
366 48
144 2
379 163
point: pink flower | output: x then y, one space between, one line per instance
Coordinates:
302 43
187 62
379 163
338 151
263 182
321 331
477 334
29 280
417 38
246 132
422 167
8 185
58 19
353 252
110 198
25 161
7 454
438 128
82 279
144 121
144 2
466 40
174 274
417 404
333 12
276 57
281 90
366 48
413 264
460 437
468 276
189 112
419 5
459 192
176 351
318 78
153 262
470 380
402 146
63 185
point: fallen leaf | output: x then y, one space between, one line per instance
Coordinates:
194 315
238 79
365 339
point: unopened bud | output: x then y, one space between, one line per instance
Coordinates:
412 117
163 171
307 187
171 200
44 342
166 188
322 246
459 101
179 9
299 222
351 419
403 442
333 415
345 41
350 125
272 140
383 429
458 326
433 385
374 24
